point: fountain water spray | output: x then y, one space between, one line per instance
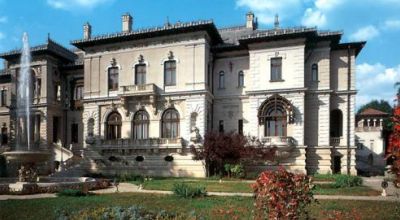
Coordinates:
24 96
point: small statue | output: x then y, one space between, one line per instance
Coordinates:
195 136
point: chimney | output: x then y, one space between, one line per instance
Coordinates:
276 23
250 20
127 23
87 31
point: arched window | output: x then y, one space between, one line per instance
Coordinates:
221 82
274 114
170 124
170 73
241 79
113 125
314 72
336 127
140 74
113 78
141 125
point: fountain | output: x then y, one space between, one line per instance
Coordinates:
24 153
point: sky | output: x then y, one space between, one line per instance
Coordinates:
374 21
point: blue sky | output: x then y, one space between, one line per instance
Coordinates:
377 21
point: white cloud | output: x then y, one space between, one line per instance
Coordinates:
327 4
3 19
75 4
313 18
266 10
2 36
376 81
391 24
365 33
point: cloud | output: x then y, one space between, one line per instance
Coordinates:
365 33
376 81
76 4
391 24
3 19
2 36
266 10
313 18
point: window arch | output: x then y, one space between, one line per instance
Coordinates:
170 73
314 72
140 125
113 75
240 79
140 74
221 80
170 124
113 126
274 114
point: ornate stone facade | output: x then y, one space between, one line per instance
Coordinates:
123 102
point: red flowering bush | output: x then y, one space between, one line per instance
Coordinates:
394 146
281 195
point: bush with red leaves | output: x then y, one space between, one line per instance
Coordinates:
394 145
282 195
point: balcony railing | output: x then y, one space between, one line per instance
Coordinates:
150 143
136 90
278 141
335 141
366 129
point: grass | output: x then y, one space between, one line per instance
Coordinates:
244 187
208 207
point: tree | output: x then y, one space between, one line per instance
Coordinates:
394 142
220 149
381 105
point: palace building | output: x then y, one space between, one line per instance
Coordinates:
137 100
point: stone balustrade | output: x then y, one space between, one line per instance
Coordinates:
335 141
138 90
149 143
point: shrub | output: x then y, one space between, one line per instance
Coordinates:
117 212
347 181
71 192
127 177
281 195
234 170
186 191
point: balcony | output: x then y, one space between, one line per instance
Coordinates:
151 145
138 90
282 143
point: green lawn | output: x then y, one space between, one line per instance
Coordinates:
208 207
242 186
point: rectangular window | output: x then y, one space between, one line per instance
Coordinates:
3 97
74 133
170 73
113 79
240 126
241 79
221 125
140 74
276 69
78 93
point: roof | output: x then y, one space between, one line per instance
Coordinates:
50 47
373 112
168 29
358 46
